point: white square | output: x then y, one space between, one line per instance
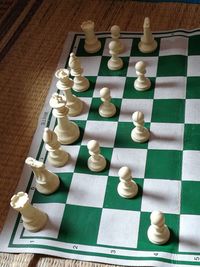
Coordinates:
115 84
192 111
129 106
85 110
127 43
135 159
163 195
193 66
166 136
102 131
55 213
70 165
191 165
119 228
189 234
170 88
176 45
90 65
151 66
87 190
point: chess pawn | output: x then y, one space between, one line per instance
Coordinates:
126 188
158 232
107 109
115 62
46 182
74 104
115 34
33 218
147 43
139 134
96 161
92 44
81 83
56 156
67 131
142 83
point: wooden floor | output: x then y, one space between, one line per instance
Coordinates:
32 33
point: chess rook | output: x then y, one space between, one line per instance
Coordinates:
158 233
56 156
115 34
147 43
107 109
81 83
74 104
33 218
96 161
142 83
46 182
139 134
92 44
126 188
67 131
115 62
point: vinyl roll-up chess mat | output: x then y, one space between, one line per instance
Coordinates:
87 219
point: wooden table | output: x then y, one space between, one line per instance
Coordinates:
32 35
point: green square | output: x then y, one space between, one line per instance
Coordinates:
123 136
172 221
190 197
175 65
105 71
192 137
113 200
60 196
137 53
94 110
81 163
82 53
90 91
193 88
80 225
194 45
168 110
168 164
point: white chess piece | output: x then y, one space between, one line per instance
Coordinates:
46 182
142 83
107 109
115 34
67 131
33 218
115 62
74 104
81 83
56 156
147 44
158 232
92 44
96 161
139 134
127 188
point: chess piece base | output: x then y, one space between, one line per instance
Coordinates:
128 192
50 187
158 239
107 112
147 48
97 167
115 64
75 108
140 137
142 86
70 137
81 84
58 161
92 48
38 223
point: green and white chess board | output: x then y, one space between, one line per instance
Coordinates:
88 220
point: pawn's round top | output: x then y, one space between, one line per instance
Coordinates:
115 30
157 218
93 146
124 173
140 66
57 101
19 200
113 46
138 116
62 74
105 92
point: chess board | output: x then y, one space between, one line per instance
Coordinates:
88 220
